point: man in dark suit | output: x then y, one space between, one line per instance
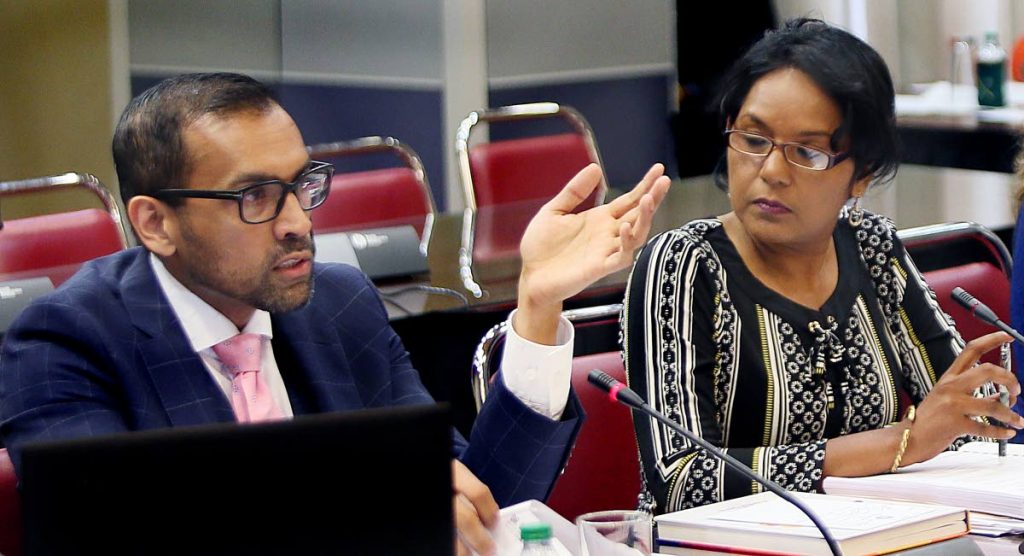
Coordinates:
218 187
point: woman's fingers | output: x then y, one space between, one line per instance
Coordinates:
974 350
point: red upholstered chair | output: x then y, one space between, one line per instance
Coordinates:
603 472
55 245
967 255
374 198
499 175
10 508
511 170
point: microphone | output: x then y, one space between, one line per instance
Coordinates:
983 313
619 392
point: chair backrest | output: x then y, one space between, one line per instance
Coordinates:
374 198
53 245
966 255
603 472
505 181
512 170
10 508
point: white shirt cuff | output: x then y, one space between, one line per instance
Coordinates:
537 374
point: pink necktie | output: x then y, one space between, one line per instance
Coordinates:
250 395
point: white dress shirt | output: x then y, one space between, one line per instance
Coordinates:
206 327
537 374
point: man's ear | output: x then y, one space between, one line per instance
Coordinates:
155 224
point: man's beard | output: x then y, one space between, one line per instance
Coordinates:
203 269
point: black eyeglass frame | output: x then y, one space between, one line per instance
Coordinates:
238 195
833 158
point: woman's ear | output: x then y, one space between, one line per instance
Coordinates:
155 224
860 186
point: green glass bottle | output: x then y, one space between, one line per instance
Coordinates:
991 69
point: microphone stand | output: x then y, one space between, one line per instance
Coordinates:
619 392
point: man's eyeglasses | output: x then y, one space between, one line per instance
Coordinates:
262 202
798 154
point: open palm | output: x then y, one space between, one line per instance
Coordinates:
563 252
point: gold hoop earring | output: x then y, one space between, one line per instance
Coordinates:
856 213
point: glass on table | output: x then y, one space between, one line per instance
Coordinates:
615 533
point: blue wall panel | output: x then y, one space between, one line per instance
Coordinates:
328 113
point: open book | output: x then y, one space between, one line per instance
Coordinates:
973 477
766 524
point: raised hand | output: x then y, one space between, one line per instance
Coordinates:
563 253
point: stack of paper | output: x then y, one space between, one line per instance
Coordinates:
973 477
765 524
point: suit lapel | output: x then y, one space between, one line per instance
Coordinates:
187 392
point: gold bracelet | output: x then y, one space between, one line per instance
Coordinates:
911 413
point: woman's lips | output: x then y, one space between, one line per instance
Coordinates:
771 207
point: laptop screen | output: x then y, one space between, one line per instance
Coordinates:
364 482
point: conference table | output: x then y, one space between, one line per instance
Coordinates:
484 270
959 141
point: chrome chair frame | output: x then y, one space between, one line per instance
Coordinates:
922 236
71 179
486 350
936 232
509 113
375 144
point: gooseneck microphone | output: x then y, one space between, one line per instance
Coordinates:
983 313
619 392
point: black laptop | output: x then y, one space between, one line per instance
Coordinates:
363 482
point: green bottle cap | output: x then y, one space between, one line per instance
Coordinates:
535 531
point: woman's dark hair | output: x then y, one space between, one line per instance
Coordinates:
148 146
849 71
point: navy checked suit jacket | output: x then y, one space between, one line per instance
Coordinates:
105 353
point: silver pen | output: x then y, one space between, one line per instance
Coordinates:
1004 394
1004 398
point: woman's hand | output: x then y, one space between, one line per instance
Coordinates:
950 409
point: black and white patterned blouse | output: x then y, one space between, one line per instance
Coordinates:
709 345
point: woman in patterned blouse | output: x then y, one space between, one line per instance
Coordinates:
787 335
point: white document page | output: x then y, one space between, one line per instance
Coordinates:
845 517
978 481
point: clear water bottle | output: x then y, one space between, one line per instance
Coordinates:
537 540
991 71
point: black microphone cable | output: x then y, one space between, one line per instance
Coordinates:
621 393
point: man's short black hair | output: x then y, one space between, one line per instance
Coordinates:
849 71
148 146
